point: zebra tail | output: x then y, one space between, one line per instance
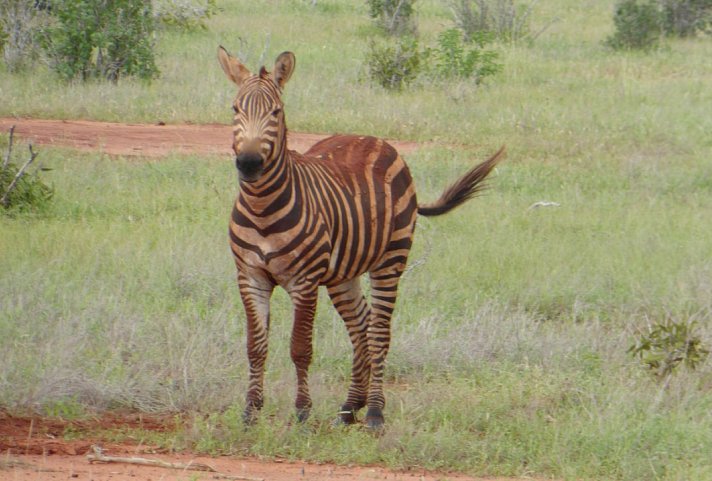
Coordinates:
466 187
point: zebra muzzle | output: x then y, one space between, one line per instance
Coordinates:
249 165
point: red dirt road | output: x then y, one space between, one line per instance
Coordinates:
40 449
60 467
146 140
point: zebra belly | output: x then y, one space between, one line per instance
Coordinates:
357 250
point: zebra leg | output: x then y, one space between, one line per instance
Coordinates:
255 294
354 310
304 301
384 287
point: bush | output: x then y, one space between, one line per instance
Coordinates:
454 57
668 344
501 18
29 193
184 14
102 39
638 25
685 18
20 191
19 22
395 17
394 65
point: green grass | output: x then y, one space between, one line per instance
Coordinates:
510 336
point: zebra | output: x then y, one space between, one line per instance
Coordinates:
344 208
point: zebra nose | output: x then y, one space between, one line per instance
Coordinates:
249 164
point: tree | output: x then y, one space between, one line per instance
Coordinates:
101 38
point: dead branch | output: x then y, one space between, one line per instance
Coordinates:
33 154
100 457
543 203
9 148
235 476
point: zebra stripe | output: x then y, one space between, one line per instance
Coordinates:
345 208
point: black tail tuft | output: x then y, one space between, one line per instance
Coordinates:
468 186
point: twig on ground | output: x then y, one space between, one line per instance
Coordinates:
100 457
235 476
32 425
543 203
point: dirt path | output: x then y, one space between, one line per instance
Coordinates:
59 467
39 449
147 140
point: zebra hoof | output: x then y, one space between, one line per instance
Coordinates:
249 416
374 420
302 414
345 418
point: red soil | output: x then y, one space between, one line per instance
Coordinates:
42 449
146 140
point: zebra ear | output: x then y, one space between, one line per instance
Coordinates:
232 67
283 68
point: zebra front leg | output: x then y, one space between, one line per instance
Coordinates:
354 310
255 294
304 300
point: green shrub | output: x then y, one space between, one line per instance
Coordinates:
668 344
394 17
454 57
685 18
101 39
394 65
24 193
638 25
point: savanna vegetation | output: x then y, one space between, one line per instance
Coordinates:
557 326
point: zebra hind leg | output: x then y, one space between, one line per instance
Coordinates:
354 310
384 286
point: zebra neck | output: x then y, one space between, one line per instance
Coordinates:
273 191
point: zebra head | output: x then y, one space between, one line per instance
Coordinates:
259 130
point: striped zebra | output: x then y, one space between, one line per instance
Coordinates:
345 208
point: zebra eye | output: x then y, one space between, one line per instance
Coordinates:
235 109
276 111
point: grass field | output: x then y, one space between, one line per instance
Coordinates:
510 337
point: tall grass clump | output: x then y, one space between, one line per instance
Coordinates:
503 19
184 14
